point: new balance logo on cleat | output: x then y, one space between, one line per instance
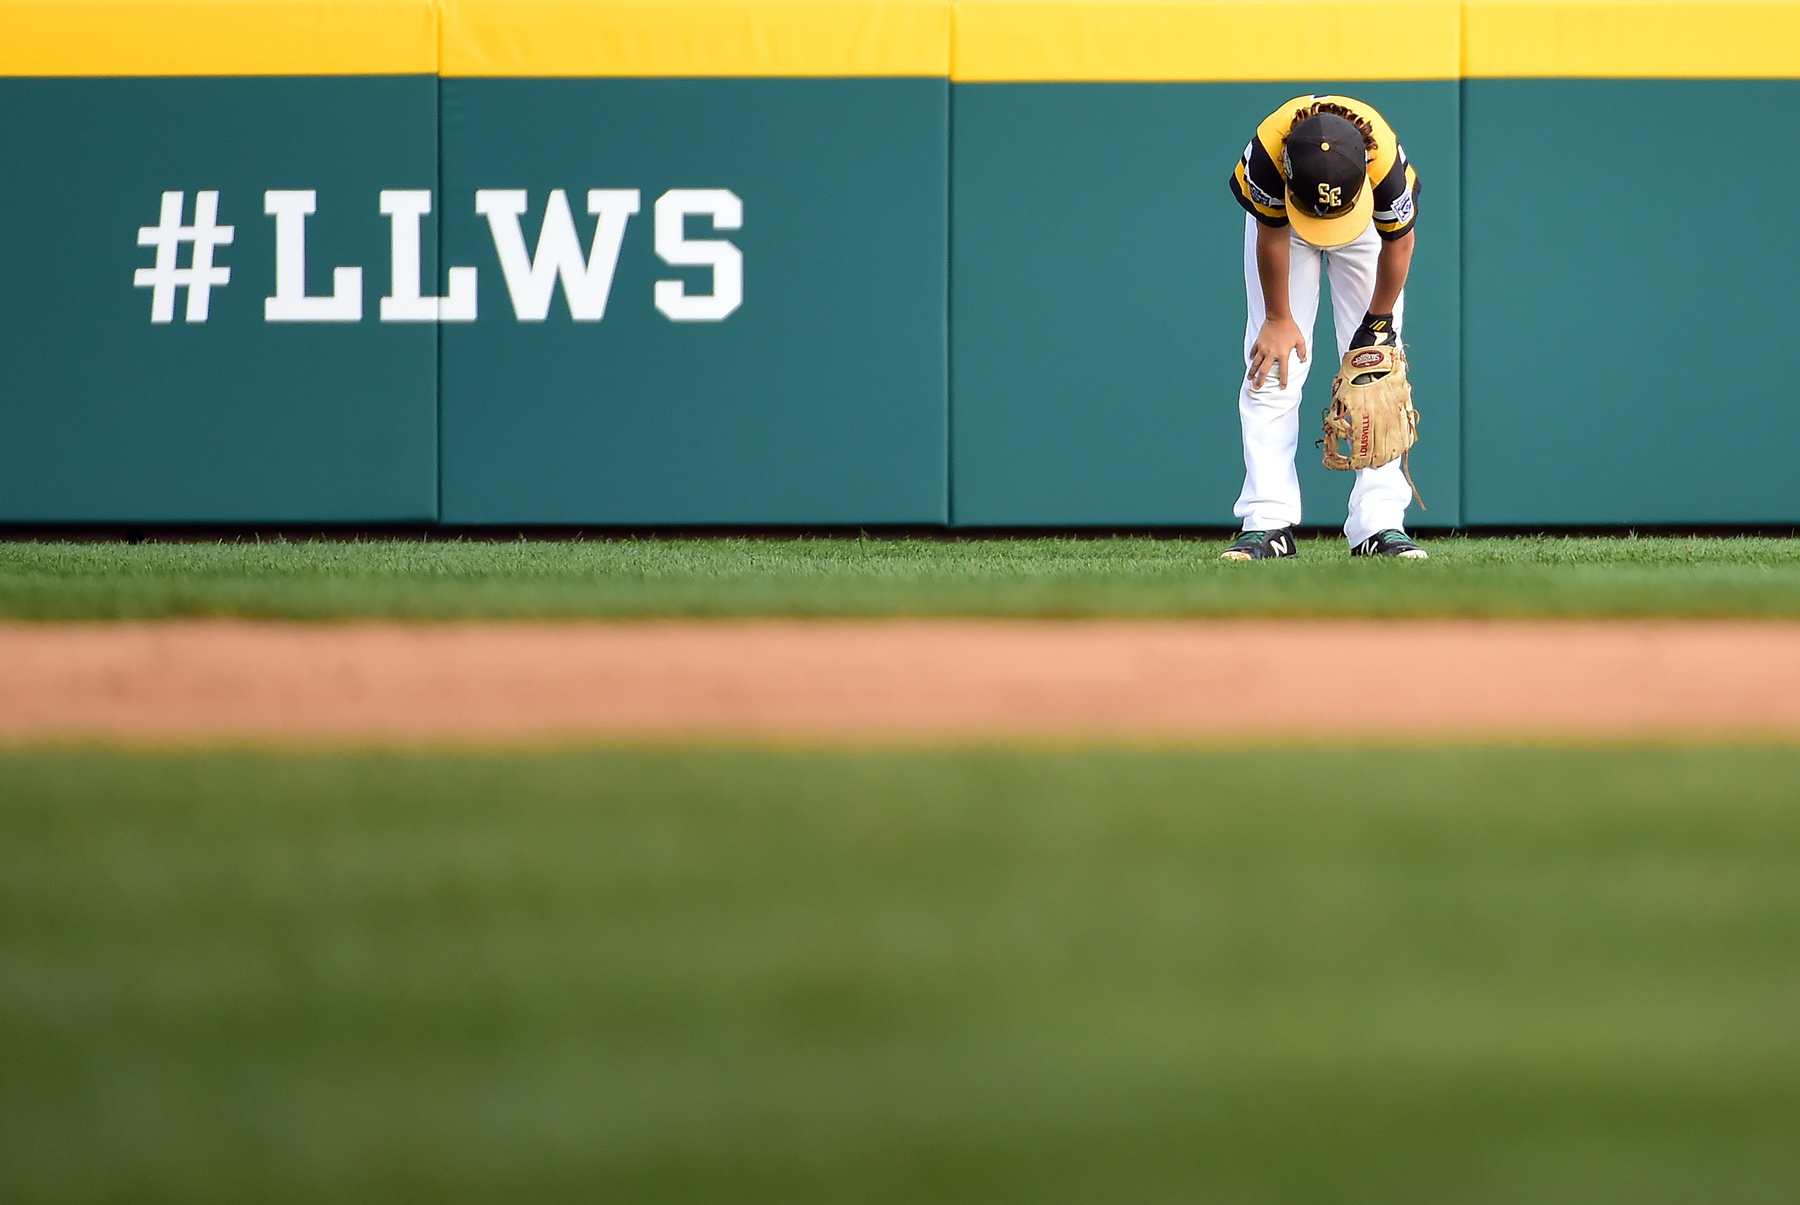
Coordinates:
1391 542
1262 546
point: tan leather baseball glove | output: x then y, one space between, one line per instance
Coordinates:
1371 420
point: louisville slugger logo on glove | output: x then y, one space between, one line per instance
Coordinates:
1371 420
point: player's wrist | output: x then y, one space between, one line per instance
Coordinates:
1377 330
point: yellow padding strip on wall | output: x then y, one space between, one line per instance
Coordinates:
1657 39
970 40
1222 40
218 37
696 38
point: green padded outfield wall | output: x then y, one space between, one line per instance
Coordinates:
819 399
1097 258
801 381
128 394
1628 281
1098 302
859 261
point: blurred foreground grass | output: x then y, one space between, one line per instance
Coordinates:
1524 576
986 977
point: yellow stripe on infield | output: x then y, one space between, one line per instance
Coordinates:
217 37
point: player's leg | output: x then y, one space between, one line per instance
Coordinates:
1270 413
1380 496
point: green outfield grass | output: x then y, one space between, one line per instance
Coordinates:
1042 577
1489 976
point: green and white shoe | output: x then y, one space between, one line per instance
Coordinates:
1262 546
1391 542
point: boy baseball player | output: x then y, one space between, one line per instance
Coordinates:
1323 180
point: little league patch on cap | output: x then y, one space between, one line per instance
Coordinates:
1327 169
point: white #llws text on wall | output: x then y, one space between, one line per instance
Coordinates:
532 274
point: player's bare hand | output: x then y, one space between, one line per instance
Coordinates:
1278 339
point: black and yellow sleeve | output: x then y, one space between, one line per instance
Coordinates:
1259 187
1397 199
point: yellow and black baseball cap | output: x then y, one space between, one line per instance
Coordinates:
1329 200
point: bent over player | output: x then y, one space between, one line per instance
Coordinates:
1323 180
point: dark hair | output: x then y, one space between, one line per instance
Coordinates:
1324 106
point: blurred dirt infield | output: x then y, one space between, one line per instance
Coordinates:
899 680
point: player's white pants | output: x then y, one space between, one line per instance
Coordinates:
1271 414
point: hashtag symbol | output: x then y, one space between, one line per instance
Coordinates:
199 277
